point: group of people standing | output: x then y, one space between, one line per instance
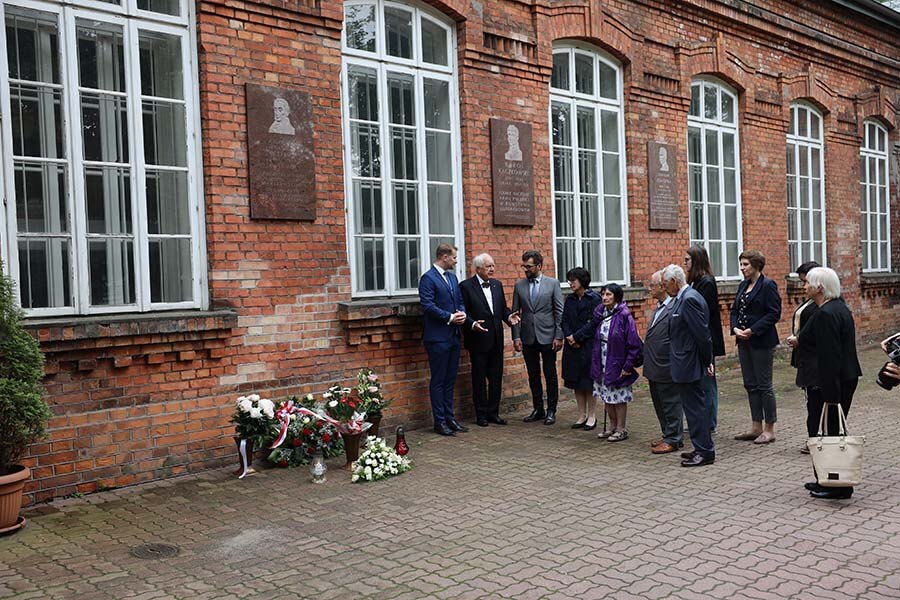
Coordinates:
602 350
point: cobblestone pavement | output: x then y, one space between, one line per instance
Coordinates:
526 511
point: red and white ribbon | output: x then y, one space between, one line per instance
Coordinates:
357 423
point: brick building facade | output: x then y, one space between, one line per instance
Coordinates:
768 109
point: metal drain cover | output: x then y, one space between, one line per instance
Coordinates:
155 551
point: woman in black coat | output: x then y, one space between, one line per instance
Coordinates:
832 373
700 276
801 355
756 310
578 328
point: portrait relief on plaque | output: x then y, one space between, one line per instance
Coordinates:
281 154
663 188
663 160
512 176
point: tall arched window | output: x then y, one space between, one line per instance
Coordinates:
401 141
875 226
589 196
714 178
805 186
101 155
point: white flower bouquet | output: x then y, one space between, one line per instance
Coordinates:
378 461
254 419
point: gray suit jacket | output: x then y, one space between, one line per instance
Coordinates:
540 323
656 348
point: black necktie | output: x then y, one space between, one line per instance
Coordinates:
486 284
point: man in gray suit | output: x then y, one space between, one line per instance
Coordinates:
690 357
538 300
664 393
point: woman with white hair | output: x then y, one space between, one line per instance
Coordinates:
831 378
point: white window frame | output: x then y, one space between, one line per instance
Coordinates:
802 145
875 149
132 21
728 269
573 99
382 63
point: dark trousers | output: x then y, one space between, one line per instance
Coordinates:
667 404
756 369
443 358
535 354
693 401
487 378
815 402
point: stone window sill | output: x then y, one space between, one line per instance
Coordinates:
876 282
73 328
379 308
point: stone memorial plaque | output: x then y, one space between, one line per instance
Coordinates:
512 174
280 154
663 186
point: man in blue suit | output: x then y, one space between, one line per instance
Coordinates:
442 307
690 355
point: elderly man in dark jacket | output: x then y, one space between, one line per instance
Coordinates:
664 393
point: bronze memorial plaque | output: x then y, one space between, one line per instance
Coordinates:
511 173
663 186
281 157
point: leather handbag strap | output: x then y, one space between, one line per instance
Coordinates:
842 420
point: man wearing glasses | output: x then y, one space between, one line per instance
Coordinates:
538 300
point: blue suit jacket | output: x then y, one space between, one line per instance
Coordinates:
439 302
689 340
763 311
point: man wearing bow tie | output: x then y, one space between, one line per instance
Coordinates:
486 311
444 313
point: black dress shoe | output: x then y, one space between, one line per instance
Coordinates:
551 417
688 455
481 422
698 460
497 420
455 426
536 415
590 427
832 493
577 425
813 486
443 429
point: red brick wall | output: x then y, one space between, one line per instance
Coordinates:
140 399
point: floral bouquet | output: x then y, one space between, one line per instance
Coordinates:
345 411
368 389
254 420
304 435
378 461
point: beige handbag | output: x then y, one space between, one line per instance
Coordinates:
837 459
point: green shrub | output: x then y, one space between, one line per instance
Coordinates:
23 412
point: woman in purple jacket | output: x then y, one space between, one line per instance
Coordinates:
616 348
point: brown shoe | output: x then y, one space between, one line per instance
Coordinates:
748 437
663 448
765 438
656 442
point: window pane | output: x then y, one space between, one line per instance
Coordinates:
611 173
728 149
814 126
101 56
590 216
104 127
32 45
359 27
715 256
403 152
165 133
440 210
791 160
437 104
565 215
44 273
802 127
586 128
710 103
161 68
698 231
408 265
406 209
402 99
714 218
37 122
170 270
592 258
695 183
792 191
694 145
398 30
712 185
609 130
804 192
168 203
816 225
41 199
367 207
584 74
562 170
731 223
166 7
730 183
613 216
565 256
561 125
695 101
609 85
712 147
434 43
369 264
615 260
363 94
365 150
107 197
792 227
792 126
804 160
587 172
816 194
111 264
438 156
560 77
815 162
727 108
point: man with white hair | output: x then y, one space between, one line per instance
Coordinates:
690 355
486 311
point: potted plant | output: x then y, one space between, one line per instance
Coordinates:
254 427
23 412
368 388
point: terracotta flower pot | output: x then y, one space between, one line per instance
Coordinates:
351 447
11 487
